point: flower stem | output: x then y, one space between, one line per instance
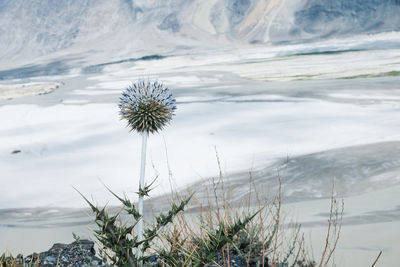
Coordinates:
141 186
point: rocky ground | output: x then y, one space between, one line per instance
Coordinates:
82 253
78 253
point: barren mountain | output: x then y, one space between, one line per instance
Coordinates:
33 28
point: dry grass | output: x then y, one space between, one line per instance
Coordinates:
265 236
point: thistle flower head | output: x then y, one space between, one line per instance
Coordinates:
147 106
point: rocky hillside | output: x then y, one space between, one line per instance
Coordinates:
32 28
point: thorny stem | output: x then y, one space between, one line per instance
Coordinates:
141 186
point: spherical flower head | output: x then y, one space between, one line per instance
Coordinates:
147 106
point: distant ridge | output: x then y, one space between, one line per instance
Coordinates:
37 28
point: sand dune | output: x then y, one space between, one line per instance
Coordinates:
26 89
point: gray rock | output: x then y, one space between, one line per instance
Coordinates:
77 254
50 260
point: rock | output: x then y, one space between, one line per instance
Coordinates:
237 261
50 260
81 253
58 247
16 151
258 262
153 260
77 254
234 260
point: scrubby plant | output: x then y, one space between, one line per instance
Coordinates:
118 242
222 235
199 250
147 106
218 238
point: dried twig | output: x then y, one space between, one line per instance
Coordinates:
377 258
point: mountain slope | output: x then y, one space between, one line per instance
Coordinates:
33 28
